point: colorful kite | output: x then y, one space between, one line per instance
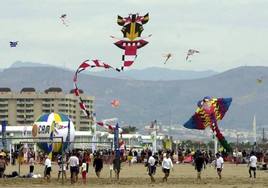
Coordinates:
190 53
115 103
85 65
209 111
109 124
63 18
13 44
132 27
167 56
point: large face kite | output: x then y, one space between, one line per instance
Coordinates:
132 27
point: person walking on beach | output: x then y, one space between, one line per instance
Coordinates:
84 171
3 165
74 167
31 164
151 166
219 164
166 166
60 165
199 163
252 164
98 164
47 168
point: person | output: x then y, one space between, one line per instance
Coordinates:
151 166
31 164
252 164
166 166
47 168
74 167
3 165
117 166
219 164
63 171
98 164
84 171
199 163
129 157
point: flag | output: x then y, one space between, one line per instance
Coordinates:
51 139
4 141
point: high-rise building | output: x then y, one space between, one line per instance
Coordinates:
24 107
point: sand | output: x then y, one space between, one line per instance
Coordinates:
134 176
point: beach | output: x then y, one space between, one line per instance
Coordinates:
134 176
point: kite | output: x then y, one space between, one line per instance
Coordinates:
167 56
63 18
132 27
85 65
209 111
109 124
13 44
259 80
191 52
115 103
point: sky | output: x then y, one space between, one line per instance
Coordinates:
228 33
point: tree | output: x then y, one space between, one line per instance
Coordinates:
129 129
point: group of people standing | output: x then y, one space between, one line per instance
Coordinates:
199 164
74 164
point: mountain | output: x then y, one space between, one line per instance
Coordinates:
19 64
152 73
156 74
166 101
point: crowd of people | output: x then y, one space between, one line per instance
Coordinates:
78 162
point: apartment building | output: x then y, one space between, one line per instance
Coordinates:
24 107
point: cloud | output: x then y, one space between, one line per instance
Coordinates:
224 31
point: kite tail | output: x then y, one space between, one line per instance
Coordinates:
221 138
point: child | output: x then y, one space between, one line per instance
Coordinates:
84 171
219 164
60 167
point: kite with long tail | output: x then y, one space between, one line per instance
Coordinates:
109 124
209 111
132 27
87 64
83 66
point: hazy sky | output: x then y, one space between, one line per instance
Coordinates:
228 33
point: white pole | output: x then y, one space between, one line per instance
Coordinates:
154 141
94 136
35 152
215 144
10 151
254 132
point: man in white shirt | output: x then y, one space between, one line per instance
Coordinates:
47 168
151 166
219 164
252 164
166 166
74 167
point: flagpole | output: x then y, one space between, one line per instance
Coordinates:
94 136
254 133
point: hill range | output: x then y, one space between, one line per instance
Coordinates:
167 101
